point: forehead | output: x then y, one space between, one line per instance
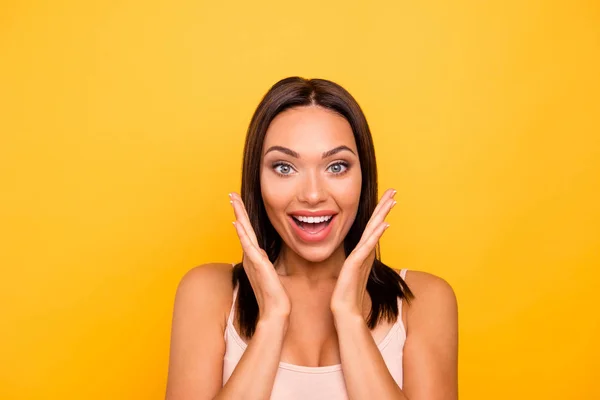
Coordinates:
309 129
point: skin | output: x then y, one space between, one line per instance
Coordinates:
310 182
313 301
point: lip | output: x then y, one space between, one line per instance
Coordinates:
312 237
308 213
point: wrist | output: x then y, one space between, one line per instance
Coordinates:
273 323
347 317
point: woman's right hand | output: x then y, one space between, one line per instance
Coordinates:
272 298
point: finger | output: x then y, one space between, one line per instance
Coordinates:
388 194
246 220
377 219
242 216
368 245
255 254
247 246
384 209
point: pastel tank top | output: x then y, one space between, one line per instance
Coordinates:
327 383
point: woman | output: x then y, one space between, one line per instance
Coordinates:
311 312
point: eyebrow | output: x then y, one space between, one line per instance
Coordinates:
294 154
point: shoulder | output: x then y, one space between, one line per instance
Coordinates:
430 353
212 273
434 298
197 332
429 286
206 284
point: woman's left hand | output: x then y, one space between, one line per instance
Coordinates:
351 286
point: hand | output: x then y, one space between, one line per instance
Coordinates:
351 285
272 298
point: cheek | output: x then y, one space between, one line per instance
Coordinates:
354 186
348 196
273 193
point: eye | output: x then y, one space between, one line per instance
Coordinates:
339 167
282 168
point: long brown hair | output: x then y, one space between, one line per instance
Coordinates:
384 285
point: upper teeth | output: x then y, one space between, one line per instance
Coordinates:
313 220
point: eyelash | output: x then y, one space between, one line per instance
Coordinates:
281 163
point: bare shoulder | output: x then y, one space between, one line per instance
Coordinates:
212 273
207 283
202 303
434 299
431 348
428 286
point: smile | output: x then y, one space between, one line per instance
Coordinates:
312 228
313 220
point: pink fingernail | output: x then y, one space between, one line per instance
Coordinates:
387 226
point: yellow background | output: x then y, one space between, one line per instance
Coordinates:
122 125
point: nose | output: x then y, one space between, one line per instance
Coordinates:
312 190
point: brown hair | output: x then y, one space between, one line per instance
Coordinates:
384 284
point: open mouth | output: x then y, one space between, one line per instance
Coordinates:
312 225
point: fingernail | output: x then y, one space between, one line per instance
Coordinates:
394 193
231 201
387 226
229 195
393 204
233 223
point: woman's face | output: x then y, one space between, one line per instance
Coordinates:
310 179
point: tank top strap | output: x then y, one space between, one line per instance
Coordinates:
232 309
403 273
400 302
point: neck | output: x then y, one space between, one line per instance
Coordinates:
291 264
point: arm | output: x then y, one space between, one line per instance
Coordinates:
430 352
365 372
431 348
198 346
254 375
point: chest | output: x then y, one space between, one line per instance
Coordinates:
312 339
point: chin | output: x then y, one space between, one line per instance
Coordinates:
314 254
